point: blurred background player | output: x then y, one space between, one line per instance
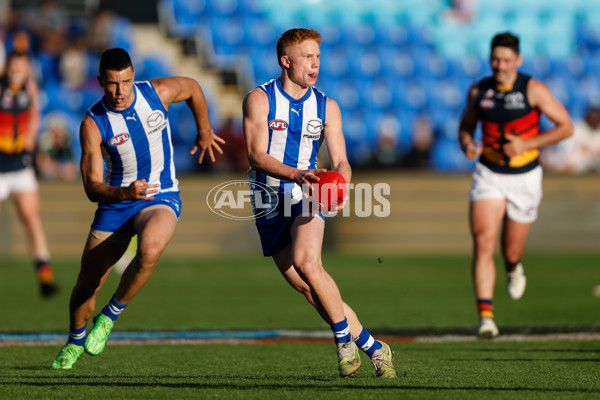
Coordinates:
285 121
19 126
55 158
580 153
128 129
507 181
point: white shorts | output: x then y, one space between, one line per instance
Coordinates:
18 181
523 192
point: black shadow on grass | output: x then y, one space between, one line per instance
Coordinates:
524 359
341 385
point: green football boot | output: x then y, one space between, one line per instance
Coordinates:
96 339
348 358
67 357
382 360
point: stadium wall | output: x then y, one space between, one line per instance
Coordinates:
428 214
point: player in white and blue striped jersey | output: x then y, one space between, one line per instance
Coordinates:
285 122
137 193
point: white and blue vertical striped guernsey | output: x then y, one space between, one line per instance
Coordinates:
295 133
136 142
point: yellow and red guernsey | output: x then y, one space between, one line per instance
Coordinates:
502 111
15 117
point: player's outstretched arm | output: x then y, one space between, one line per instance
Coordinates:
92 170
176 89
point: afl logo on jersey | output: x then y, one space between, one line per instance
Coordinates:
486 104
487 101
119 139
278 125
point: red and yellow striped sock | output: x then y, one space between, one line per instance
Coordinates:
486 308
44 272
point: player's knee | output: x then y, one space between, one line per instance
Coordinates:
513 256
87 286
311 270
149 256
484 243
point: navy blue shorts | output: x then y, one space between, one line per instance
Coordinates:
275 233
117 216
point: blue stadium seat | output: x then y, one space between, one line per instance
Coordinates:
414 96
183 16
348 94
467 69
366 64
423 13
572 66
396 62
538 67
334 62
376 94
357 38
60 97
332 37
453 41
152 66
428 63
394 36
224 8
228 37
258 32
48 65
122 35
264 64
588 88
446 156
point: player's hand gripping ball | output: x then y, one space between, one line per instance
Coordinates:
330 190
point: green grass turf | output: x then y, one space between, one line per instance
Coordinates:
478 370
249 293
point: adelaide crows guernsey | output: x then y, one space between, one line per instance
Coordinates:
295 134
136 142
503 112
15 116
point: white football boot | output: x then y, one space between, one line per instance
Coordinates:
487 328
516 282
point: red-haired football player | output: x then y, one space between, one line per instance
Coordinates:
285 121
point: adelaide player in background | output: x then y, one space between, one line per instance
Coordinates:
19 128
285 121
507 181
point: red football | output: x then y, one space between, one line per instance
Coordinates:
330 190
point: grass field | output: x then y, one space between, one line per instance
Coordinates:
430 294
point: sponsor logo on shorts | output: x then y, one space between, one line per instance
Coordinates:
119 139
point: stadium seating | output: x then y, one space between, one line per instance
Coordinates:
381 59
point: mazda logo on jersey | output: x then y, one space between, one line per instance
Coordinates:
278 125
314 126
155 119
119 139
